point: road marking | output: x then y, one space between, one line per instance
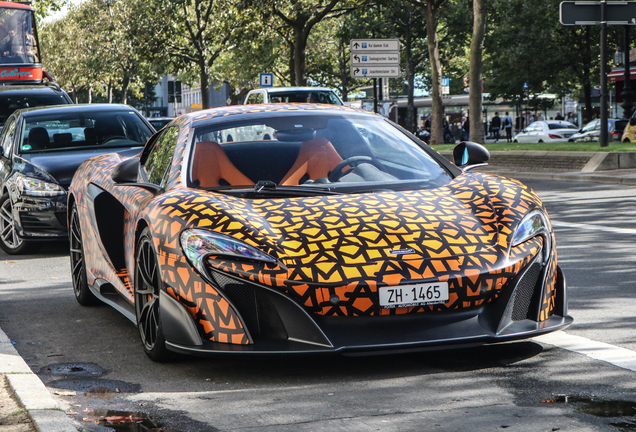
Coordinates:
593 227
617 356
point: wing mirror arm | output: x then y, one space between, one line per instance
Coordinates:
468 155
126 174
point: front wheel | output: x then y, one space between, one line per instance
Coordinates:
9 240
147 288
83 294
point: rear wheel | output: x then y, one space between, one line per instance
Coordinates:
83 294
9 240
540 141
147 288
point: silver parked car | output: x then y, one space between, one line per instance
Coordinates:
592 130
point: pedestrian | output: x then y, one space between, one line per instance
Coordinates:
495 126
559 116
519 123
427 124
507 124
572 119
466 128
530 118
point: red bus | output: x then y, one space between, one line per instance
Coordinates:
19 44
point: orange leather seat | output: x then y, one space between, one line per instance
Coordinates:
211 164
316 159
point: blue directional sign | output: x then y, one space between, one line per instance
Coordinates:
266 79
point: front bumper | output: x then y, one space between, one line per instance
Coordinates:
277 324
41 218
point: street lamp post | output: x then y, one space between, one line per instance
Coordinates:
627 93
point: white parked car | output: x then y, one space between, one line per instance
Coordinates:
292 95
547 131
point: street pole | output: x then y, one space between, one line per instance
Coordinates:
375 95
603 136
627 93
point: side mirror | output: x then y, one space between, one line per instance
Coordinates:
127 171
469 153
632 121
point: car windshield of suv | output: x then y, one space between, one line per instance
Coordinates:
305 96
10 102
338 153
81 129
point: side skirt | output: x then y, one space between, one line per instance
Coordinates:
104 291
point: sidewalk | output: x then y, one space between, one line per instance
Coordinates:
46 414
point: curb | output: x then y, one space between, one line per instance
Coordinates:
46 414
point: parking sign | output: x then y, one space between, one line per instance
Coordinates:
266 79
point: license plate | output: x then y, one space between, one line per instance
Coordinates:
414 295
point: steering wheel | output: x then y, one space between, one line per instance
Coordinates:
114 137
353 161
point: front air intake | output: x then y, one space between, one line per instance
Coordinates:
527 290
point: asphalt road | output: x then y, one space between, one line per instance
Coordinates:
92 358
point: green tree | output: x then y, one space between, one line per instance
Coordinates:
295 20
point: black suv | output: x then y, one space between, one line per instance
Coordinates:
14 97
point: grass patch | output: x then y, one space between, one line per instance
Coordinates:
566 146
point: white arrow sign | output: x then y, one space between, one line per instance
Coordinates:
362 45
375 72
384 58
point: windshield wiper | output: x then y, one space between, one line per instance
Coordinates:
267 187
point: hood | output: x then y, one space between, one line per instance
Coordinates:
363 228
59 167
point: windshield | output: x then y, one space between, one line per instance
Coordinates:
81 129
12 101
18 40
346 152
305 96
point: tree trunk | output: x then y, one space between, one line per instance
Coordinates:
300 46
205 84
90 93
124 89
437 121
475 94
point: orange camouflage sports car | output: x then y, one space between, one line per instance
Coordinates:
310 228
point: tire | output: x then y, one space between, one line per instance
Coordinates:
83 294
515 141
626 140
540 141
147 287
9 240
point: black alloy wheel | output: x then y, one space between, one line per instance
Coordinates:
83 294
147 288
9 240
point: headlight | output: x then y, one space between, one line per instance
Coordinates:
39 188
199 244
533 224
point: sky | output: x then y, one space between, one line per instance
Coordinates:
61 13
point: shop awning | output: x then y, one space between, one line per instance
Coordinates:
619 75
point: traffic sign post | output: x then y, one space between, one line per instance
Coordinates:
589 12
375 58
600 13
